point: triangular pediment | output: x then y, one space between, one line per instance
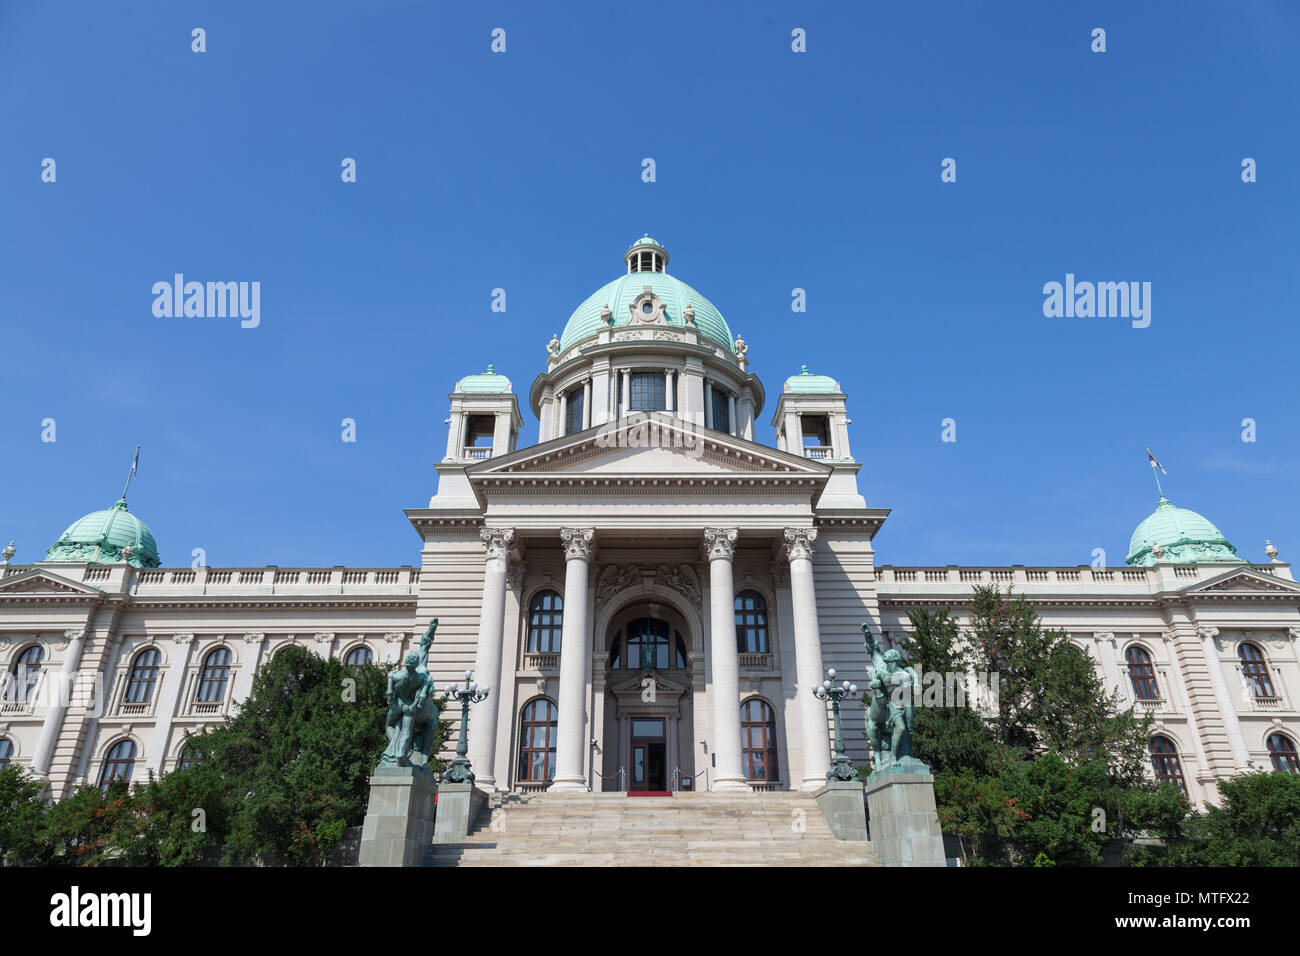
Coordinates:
651 445
1245 580
633 684
40 581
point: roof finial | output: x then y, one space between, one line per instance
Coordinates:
135 464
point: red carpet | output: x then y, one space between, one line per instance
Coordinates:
649 793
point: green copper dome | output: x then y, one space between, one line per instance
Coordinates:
806 381
488 381
1183 536
620 294
100 536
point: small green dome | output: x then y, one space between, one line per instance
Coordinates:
806 381
619 295
489 382
100 536
646 241
1183 536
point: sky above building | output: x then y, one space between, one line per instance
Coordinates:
774 170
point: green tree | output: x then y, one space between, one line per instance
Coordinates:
1258 824
1028 780
21 811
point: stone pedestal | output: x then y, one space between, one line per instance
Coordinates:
398 828
904 823
844 808
459 804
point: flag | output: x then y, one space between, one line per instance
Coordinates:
1155 464
135 462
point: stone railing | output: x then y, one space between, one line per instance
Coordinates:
273 580
817 451
1267 703
755 662
477 452
544 663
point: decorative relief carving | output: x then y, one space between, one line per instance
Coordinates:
184 640
681 579
255 639
613 579
515 575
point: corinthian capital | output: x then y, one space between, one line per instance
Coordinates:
497 541
577 542
799 542
720 542
1211 632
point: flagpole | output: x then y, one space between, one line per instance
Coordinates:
1154 475
131 474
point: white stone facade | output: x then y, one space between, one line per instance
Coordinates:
647 520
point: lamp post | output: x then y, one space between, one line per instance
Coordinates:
459 771
841 767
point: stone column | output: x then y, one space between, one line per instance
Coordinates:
721 546
586 404
575 660
1231 723
668 391
708 404
731 415
487 661
808 657
564 416
624 392
59 697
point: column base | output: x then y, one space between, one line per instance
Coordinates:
812 784
732 785
567 785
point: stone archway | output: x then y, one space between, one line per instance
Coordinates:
645 681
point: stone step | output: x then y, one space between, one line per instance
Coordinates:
544 829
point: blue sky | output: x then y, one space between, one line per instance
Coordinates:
775 170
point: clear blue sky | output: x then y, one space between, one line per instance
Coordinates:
775 170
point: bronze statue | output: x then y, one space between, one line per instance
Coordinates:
412 719
893 688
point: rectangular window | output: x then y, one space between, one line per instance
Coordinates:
721 418
574 424
647 394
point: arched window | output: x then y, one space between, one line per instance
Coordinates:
358 658
118 764
144 675
1281 749
1142 674
188 758
751 623
545 622
1255 669
758 739
537 741
647 644
216 674
1165 764
27 673
7 752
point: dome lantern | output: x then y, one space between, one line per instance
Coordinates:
646 255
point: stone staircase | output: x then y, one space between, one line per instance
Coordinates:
691 829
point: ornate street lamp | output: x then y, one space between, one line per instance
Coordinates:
841 767
459 771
